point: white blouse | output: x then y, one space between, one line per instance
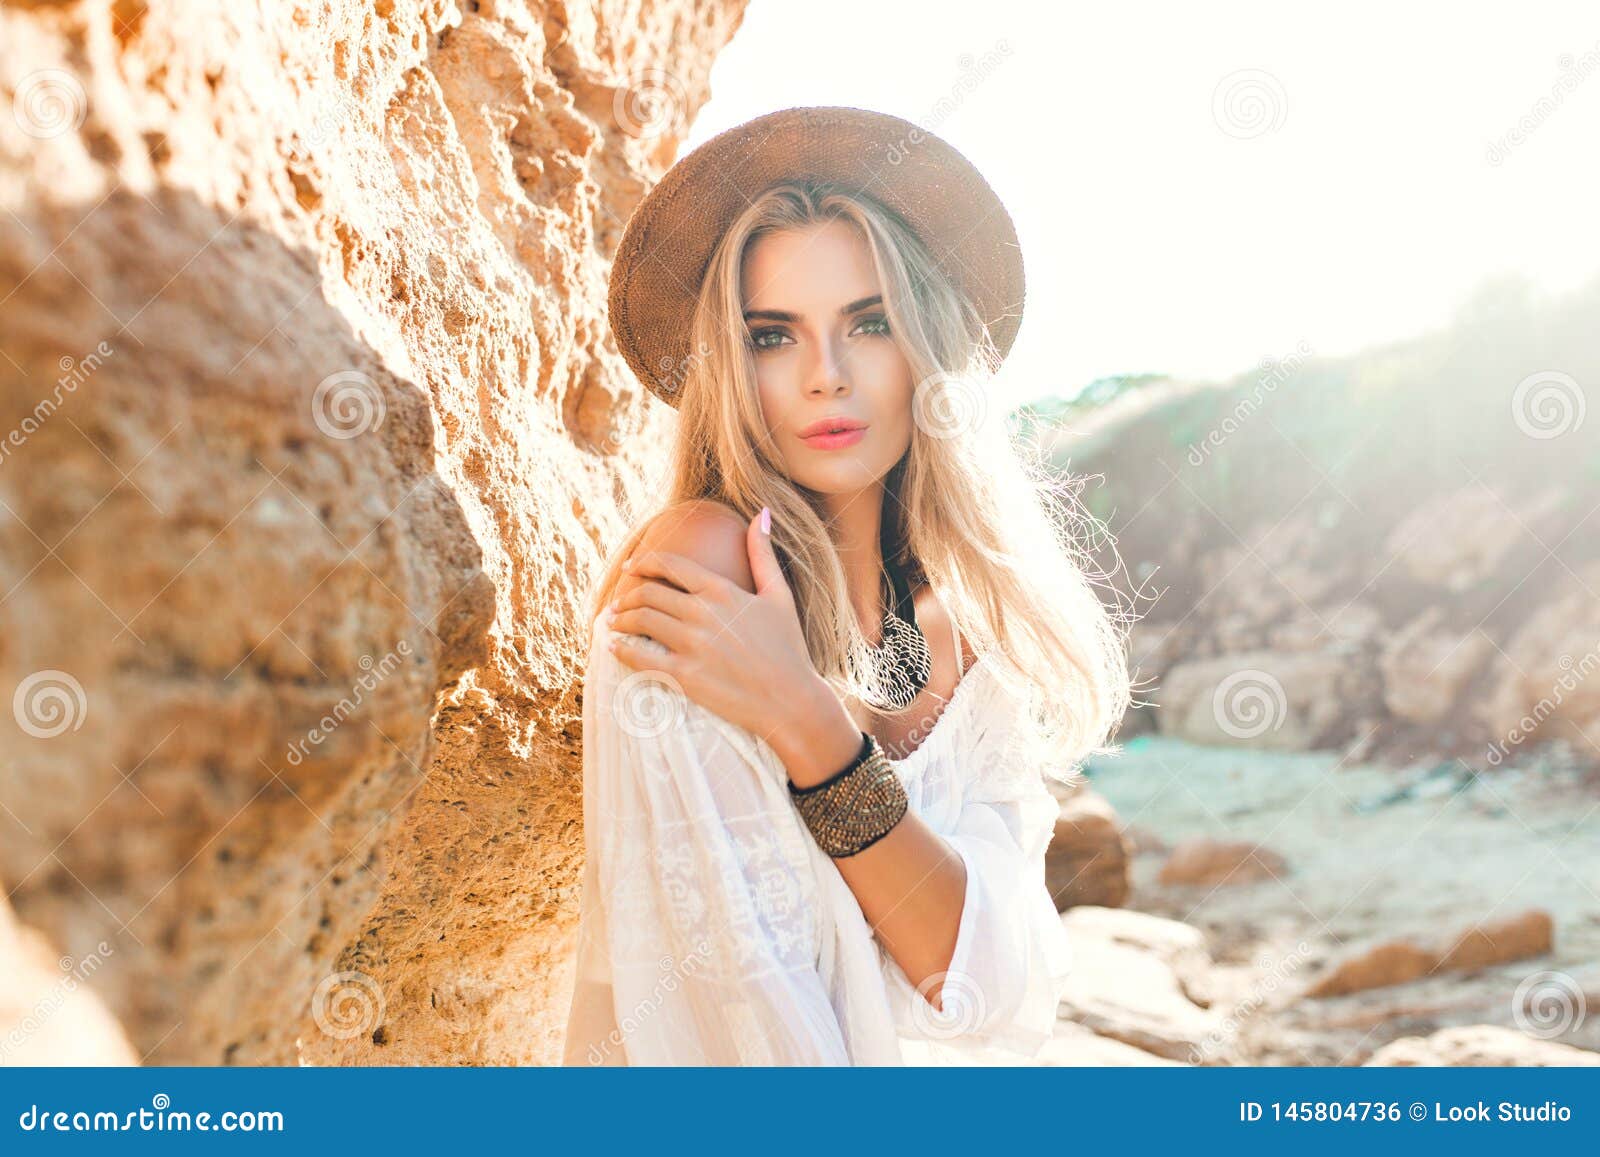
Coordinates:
714 931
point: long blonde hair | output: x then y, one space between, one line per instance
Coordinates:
970 509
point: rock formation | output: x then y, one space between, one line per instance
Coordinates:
1390 554
311 438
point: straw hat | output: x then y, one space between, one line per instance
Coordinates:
667 245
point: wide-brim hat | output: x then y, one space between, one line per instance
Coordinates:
667 244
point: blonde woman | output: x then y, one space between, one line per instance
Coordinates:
830 672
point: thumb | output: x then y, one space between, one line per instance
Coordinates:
764 564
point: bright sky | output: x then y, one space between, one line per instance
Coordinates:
1344 194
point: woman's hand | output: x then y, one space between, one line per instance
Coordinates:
743 656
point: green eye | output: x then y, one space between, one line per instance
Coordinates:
757 336
878 320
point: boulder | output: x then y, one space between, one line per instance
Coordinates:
1076 1047
1284 700
1396 961
1457 540
1374 966
1087 860
1549 683
1131 991
320 440
1425 667
1481 1045
1204 862
1530 933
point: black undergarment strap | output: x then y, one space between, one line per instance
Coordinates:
904 604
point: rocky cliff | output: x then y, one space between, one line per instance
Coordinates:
1392 554
311 436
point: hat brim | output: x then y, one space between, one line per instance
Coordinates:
667 244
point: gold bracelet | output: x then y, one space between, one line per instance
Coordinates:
856 807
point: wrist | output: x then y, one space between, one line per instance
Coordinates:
819 739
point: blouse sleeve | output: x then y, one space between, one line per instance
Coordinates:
1012 953
698 929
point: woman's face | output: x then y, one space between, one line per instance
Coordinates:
822 351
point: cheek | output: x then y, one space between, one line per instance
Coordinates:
884 364
897 435
891 375
771 398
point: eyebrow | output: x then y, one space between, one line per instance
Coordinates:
785 315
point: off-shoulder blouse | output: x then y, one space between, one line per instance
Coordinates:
714 931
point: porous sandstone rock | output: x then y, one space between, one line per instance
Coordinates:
314 437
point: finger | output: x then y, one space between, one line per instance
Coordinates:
764 563
675 568
671 633
661 595
643 654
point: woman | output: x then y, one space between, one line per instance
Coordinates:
831 668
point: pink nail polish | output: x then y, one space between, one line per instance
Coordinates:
766 520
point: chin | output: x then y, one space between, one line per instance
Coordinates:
841 479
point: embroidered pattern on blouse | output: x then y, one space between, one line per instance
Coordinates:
713 909
761 915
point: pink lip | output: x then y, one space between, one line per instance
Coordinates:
835 441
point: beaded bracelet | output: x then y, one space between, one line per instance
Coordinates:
854 808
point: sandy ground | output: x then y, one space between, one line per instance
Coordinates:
1372 853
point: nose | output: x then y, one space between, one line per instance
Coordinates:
827 374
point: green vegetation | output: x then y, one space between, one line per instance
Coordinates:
1042 414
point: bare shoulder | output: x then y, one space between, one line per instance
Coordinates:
710 532
935 623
